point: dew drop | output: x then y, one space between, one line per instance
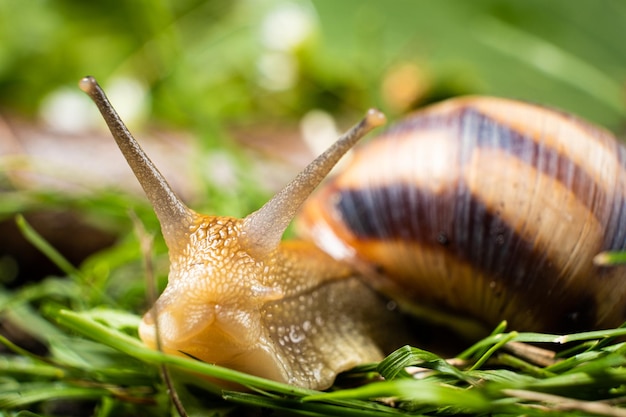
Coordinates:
296 335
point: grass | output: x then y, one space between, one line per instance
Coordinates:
95 359
196 59
101 361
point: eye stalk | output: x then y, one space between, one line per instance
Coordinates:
265 227
175 217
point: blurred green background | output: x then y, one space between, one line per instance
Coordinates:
217 73
207 62
204 82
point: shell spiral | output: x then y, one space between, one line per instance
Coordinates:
484 208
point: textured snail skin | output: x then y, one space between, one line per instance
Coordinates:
295 316
484 208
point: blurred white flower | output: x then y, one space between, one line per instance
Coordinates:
318 130
287 26
277 70
69 111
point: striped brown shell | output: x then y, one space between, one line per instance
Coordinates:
484 209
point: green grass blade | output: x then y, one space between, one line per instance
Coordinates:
424 392
38 392
610 258
42 245
396 362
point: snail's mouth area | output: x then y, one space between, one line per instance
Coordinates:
172 326
206 333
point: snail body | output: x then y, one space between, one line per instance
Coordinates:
481 208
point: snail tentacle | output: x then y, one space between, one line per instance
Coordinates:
175 217
265 227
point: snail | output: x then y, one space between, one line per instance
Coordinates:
474 210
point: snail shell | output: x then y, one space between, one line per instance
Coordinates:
479 208
485 208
